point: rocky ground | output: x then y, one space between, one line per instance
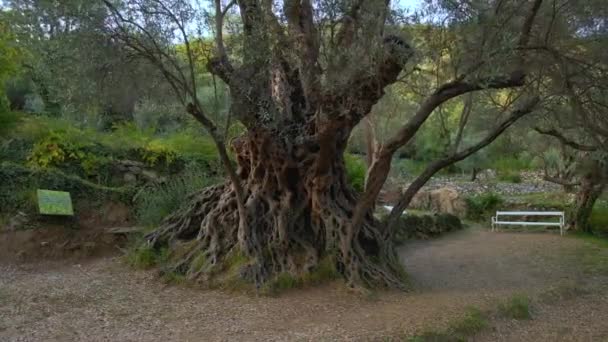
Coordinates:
531 182
104 300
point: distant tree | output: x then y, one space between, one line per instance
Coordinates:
71 63
577 113
9 60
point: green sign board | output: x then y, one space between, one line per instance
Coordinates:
55 203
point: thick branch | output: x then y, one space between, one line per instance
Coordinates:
381 166
554 133
437 165
443 94
524 38
299 15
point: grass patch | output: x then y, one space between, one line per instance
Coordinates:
461 329
510 177
325 271
141 255
542 200
516 307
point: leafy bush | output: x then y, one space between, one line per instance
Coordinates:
60 149
154 203
481 206
355 171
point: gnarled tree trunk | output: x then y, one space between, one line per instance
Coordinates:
592 185
298 206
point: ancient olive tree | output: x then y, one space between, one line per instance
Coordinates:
302 75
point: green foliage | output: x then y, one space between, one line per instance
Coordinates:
9 60
18 186
507 164
355 171
154 203
482 206
516 307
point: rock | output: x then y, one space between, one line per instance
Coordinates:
135 169
150 175
129 178
444 200
486 175
18 221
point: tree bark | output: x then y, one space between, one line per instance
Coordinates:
297 206
592 185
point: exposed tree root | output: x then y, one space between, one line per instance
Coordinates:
295 218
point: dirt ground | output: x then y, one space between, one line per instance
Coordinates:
104 300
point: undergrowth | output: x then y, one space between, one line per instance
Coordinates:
154 202
516 307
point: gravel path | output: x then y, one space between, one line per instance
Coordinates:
103 300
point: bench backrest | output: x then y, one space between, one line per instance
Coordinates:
530 213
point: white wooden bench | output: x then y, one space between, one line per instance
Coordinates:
496 220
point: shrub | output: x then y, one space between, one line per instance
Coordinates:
480 206
18 185
599 218
425 226
355 171
66 150
155 202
